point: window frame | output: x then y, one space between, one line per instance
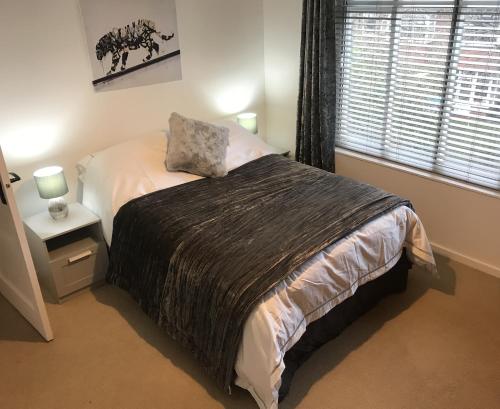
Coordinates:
449 96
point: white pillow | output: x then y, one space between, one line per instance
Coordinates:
122 172
153 140
244 146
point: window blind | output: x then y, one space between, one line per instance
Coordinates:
420 85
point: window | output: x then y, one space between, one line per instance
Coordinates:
420 85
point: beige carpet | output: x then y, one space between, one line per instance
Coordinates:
435 346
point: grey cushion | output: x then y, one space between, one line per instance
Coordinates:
196 147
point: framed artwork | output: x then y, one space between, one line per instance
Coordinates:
131 43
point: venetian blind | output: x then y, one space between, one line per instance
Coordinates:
420 85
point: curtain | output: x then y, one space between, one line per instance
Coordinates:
321 42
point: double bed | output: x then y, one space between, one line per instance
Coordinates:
297 313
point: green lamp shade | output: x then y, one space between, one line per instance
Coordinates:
51 182
248 120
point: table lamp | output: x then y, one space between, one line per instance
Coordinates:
248 120
52 185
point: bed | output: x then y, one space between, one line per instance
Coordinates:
301 312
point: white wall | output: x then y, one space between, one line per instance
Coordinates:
50 113
282 20
462 224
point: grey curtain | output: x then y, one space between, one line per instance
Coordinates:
321 43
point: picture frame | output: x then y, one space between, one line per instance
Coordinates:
131 43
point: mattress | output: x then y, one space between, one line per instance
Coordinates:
134 169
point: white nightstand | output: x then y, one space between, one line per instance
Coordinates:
69 254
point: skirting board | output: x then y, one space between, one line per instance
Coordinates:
468 261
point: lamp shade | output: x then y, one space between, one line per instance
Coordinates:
248 120
51 182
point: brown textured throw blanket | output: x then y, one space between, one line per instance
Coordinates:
198 257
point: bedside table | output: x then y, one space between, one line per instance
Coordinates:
69 254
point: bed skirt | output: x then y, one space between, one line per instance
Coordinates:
332 324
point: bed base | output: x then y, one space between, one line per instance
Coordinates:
332 324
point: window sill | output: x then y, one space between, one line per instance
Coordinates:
420 173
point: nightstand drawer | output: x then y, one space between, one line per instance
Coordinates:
69 254
78 265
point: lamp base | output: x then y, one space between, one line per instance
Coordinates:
58 208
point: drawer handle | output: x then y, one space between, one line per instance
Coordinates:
79 257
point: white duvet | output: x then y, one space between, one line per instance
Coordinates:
123 172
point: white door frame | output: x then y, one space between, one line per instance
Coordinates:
18 280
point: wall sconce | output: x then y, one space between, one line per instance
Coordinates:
51 184
248 120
